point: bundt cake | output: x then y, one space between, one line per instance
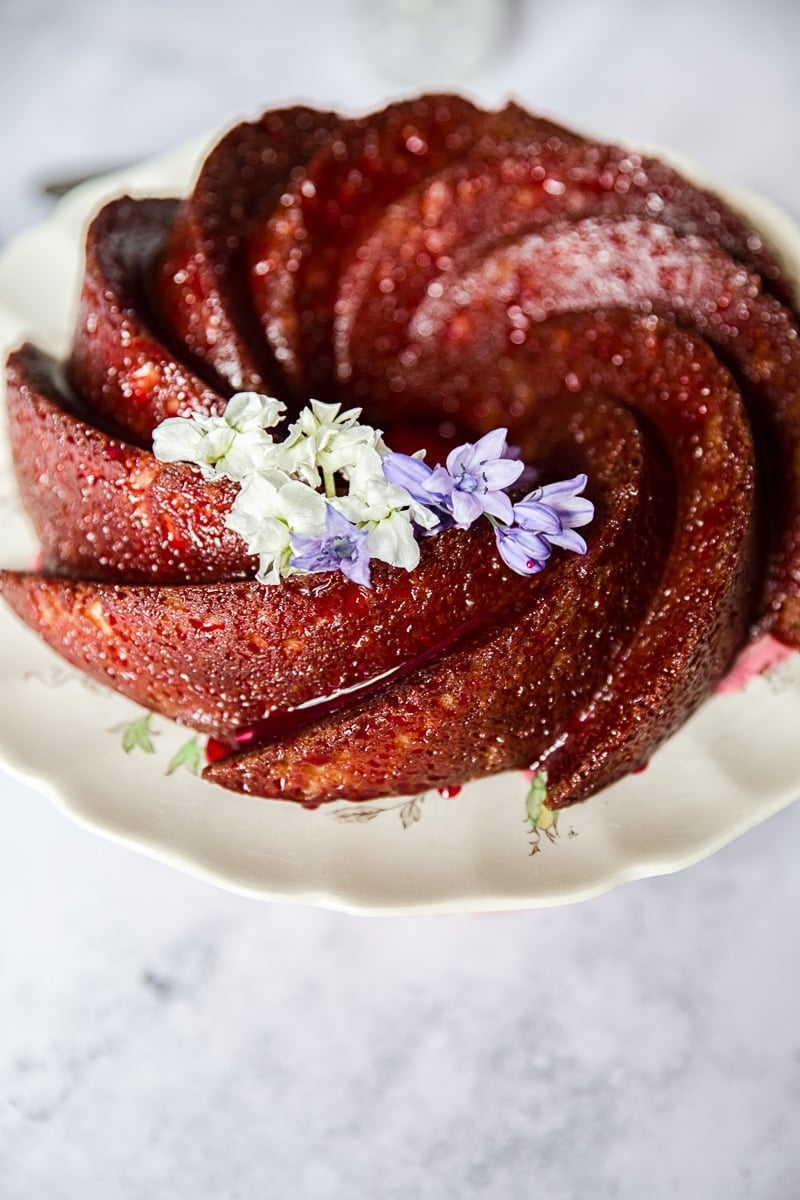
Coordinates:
465 279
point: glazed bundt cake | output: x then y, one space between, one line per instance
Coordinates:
465 279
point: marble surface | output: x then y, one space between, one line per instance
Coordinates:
161 1038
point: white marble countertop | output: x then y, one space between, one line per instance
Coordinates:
161 1038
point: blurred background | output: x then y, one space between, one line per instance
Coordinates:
160 1038
87 85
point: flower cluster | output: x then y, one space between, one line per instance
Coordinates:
316 501
474 483
332 497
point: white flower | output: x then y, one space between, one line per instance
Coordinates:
250 410
203 441
392 540
385 509
267 511
371 497
323 439
255 501
235 444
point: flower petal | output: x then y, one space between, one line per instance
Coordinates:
302 507
568 540
564 487
178 439
393 542
466 508
498 505
573 512
501 473
490 447
457 458
251 410
439 488
407 472
357 569
536 516
526 553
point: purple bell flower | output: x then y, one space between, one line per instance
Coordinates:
471 485
546 518
417 478
342 547
562 501
474 483
478 476
524 551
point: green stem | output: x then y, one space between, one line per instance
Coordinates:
330 486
